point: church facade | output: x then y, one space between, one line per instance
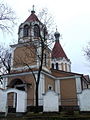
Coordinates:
56 72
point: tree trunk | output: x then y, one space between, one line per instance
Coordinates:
39 73
36 95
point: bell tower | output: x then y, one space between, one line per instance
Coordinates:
31 29
60 60
28 49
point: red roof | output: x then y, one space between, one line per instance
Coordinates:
58 52
32 17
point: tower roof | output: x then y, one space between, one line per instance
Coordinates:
58 52
32 17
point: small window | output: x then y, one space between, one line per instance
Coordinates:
52 66
57 66
36 31
26 31
50 87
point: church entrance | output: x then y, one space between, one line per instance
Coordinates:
15 101
12 102
12 97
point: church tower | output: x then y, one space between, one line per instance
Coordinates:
31 29
60 60
27 51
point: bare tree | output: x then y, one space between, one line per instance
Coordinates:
87 52
32 53
40 48
5 60
46 18
7 18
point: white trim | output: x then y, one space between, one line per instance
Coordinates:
24 68
78 88
35 72
57 90
78 85
60 61
41 89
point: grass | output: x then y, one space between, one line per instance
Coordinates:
50 116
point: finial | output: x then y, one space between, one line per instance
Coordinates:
56 28
33 11
33 7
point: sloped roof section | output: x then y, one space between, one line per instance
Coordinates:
58 52
32 17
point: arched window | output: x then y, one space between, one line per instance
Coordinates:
36 31
26 31
57 66
18 84
52 66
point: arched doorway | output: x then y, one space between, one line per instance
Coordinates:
12 101
17 84
16 100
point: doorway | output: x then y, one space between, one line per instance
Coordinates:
12 102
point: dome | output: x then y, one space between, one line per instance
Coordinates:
57 35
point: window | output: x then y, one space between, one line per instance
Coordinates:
52 66
36 31
50 87
57 66
26 31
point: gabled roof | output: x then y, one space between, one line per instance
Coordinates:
32 17
58 52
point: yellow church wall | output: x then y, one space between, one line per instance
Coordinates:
49 82
68 92
24 56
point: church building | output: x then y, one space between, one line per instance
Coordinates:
56 74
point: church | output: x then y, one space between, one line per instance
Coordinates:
56 74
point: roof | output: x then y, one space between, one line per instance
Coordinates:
58 52
65 72
32 17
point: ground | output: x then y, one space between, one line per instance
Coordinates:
49 116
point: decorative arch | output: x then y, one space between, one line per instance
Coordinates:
26 31
36 31
18 84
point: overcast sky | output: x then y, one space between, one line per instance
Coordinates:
72 18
